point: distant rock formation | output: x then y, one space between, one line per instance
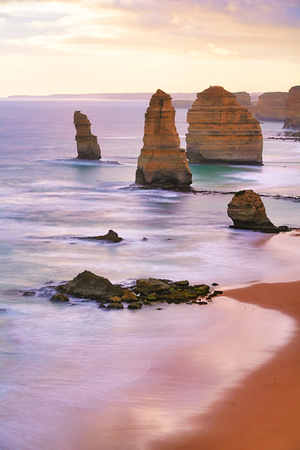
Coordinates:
244 100
162 163
292 109
271 106
222 131
87 144
247 212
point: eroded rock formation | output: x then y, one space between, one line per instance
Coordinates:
271 106
222 131
244 100
292 109
162 163
87 144
247 212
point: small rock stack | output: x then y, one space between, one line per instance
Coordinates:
247 212
87 144
162 163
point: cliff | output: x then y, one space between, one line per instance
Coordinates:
271 106
162 163
222 131
87 144
292 109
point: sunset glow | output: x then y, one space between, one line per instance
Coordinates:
90 46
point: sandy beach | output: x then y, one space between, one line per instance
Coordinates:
264 411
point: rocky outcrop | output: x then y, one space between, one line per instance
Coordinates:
87 144
162 163
222 131
111 236
244 100
271 106
89 285
146 291
292 109
247 212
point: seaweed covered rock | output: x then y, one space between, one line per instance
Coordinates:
162 163
59 298
87 144
146 291
158 290
89 285
247 212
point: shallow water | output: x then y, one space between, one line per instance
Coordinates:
69 372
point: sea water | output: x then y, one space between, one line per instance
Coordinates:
76 376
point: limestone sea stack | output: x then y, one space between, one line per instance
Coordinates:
247 212
87 144
292 109
271 106
162 163
244 100
222 131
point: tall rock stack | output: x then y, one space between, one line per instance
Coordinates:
292 109
222 131
271 106
244 100
162 163
87 144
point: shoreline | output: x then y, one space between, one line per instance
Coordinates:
263 411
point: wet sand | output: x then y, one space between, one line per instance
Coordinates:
263 412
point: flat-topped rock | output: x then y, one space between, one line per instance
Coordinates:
292 109
271 106
87 144
162 163
222 131
247 212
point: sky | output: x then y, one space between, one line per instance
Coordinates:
99 46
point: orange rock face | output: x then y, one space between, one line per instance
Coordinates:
244 100
222 131
271 106
87 144
292 109
247 212
162 163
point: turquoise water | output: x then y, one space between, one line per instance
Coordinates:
61 363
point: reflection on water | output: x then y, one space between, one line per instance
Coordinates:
78 377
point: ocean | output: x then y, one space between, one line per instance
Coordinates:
63 367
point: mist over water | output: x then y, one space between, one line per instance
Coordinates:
65 365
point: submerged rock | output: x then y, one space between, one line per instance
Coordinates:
111 236
292 109
89 285
247 212
162 163
59 298
87 144
222 131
